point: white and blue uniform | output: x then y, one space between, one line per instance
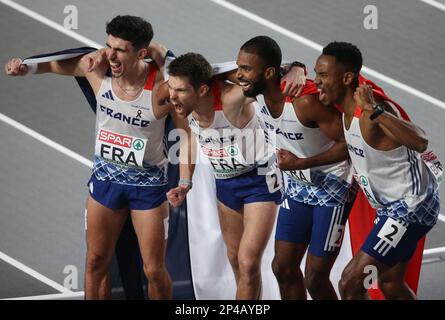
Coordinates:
317 200
400 187
242 159
130 158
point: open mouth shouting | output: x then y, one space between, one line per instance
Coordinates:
116 67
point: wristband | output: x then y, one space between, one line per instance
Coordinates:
185 182
378 110
32 68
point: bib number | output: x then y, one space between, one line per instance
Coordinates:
391 232
127 150
274 180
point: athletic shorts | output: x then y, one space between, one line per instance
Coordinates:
119 196
320 227
392 241
249 187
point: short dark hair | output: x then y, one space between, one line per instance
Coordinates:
193 66
131 28
266 48
345 53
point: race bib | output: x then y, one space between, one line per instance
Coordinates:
120 148
274 179
363 181
303 176
433 164
227 162
391 232
336 237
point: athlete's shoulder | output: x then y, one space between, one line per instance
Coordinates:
310 104
231 94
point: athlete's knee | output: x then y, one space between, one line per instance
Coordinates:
249 266
233 258
314 280
96 262
391 287
153 272
284 272
277 269
351 286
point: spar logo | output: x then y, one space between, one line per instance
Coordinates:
364 181
121 148
138 144
214 153
233 151
116 139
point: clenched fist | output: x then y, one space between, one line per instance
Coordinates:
14 67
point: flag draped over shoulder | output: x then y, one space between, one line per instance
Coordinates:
362 216
64 55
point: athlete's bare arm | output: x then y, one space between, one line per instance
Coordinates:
312 113
79 66
157 53
237 108
187 160
387 131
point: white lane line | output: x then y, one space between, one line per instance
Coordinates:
434 251
36 16
51 296
45 140
318 47
435 4
66 152
34 273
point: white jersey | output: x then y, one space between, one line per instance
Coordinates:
324 185
231 151
396 182
130 147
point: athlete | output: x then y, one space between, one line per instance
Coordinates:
312 152
231 137
129 170
386 151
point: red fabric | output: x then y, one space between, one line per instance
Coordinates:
216 96
309 88
382 95
362 216
151 76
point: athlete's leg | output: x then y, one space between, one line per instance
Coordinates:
388 248
352 285
149 227
326 239
316 277
292 236
129 262
259 219
393 285
286 267
231 223
103 228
